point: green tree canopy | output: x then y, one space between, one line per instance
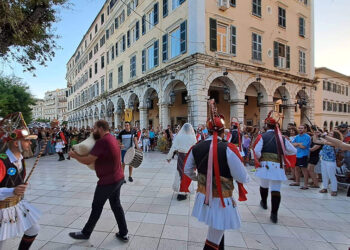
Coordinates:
26 32
15 97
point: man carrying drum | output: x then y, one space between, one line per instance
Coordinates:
127 139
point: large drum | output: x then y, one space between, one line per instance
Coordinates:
85 147
133 157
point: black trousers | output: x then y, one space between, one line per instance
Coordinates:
102 193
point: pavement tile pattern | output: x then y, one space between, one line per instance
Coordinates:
63 191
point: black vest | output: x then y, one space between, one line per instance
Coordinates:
234 138
201 152
270 143
14 180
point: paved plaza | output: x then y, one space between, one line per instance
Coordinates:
63 191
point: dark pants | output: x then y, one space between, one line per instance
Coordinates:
102 193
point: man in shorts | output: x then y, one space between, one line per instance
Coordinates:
302 142
127 139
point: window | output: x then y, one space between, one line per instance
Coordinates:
301 27
150 57
112 52
257 47
90 36
256 11
95 28
123 44
175 4
212 34
222 38
329 86
342 90
103 40
120 74
102 84
302 62
90 72
334 88
128 38
97 89
347 91
281 17
90 55
324 85
110 80
233 3
175 42
345 106
281 55
151 19
324 105
96 67
143 24
143 60
116 49
335 107
102 18
102 62
133 66
107 54
340 109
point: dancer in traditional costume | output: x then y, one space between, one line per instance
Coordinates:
17 216
218 164
182 143
271 149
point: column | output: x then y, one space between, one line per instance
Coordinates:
288 112
236 110
116 119
265 108
143 117
164 115
305 115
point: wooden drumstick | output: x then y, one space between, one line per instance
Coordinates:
36 161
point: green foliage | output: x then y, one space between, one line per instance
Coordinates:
26 32
42 120
15 97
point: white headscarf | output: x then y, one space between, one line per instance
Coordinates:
185 139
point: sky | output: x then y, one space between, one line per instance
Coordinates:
332 42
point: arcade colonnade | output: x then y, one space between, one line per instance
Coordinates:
181 96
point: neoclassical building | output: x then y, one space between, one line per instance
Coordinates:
160 61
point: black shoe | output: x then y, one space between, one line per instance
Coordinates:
124 181
181 197
263 205
124 238
78 236
131 179
273 218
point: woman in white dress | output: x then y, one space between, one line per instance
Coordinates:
182 143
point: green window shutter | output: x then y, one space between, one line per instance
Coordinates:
212 32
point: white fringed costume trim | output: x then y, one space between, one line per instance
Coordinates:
273 172
14 221
177 183
215 215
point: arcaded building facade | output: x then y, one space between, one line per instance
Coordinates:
160 61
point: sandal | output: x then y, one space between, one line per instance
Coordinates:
304 188
334 193
294 184
323 191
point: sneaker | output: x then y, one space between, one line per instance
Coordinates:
124 238
79 236
131 179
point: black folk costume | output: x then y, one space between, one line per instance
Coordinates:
218 164
17 216
271 149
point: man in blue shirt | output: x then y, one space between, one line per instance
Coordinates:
302 142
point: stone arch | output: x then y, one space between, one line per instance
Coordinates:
96 113
325 125
336 123
229 79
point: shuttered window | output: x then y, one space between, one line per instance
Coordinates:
212 33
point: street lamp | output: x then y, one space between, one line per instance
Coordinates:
172 97
226 94
260 97
149 103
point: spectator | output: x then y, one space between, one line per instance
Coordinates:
302 142
314 158
328 165
152 136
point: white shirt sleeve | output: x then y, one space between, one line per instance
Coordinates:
237 169
170 154
190 167
5 193
290 149
258 148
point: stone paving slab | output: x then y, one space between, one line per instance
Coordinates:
63 191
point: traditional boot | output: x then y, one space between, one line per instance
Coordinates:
26 242
210 246
275 204
264 192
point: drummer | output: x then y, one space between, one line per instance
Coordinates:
127 139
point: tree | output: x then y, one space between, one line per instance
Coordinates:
15 97
26 32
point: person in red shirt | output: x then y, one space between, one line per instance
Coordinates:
107 157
